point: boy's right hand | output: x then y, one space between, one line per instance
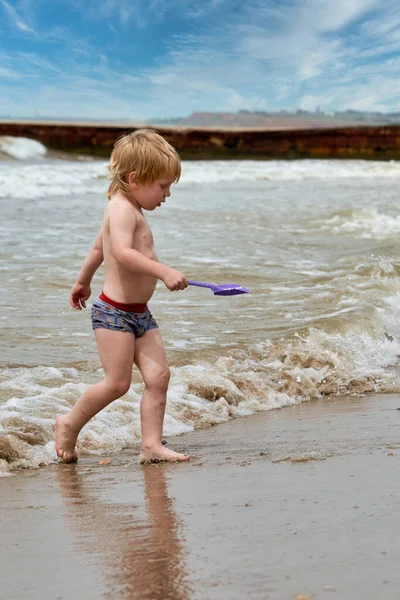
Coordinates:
78 295
175 280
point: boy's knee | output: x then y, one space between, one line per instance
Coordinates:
119 387
158 379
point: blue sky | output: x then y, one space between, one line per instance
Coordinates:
137 59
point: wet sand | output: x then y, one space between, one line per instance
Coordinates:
299 501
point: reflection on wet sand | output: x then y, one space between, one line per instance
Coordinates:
138 545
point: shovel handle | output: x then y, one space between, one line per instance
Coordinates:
200 284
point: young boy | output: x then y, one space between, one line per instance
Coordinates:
142 168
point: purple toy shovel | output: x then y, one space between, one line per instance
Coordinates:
226 289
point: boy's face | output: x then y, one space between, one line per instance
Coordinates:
151 195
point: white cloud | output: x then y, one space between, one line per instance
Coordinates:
270 55
7 73
303 55
145 12
38 61
16 18
327 16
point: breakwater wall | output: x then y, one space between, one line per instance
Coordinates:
367 142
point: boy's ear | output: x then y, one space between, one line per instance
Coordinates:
131 178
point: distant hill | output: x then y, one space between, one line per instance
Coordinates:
242 119
279 120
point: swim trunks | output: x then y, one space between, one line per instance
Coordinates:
133 318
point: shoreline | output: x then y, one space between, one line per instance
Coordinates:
297 501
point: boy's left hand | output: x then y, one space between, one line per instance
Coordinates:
78 295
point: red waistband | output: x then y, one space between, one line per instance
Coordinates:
137 308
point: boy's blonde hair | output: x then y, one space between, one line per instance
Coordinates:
148 154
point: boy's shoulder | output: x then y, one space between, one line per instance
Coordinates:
120 203
119 200
120 207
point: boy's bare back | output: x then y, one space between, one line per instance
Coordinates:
124 228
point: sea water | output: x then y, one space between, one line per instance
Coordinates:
315 241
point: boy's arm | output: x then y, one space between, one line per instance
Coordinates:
81 290
123 221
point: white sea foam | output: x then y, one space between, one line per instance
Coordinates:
277 170
367 224
22 148
268 376
53 178
65 178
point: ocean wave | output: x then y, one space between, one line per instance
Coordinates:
286 170
267 376
63 178
53 179
367 224
22 148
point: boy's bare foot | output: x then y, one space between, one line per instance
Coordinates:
65 440
162 454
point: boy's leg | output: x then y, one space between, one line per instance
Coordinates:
150 360
116 352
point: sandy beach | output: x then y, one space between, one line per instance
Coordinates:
296 502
